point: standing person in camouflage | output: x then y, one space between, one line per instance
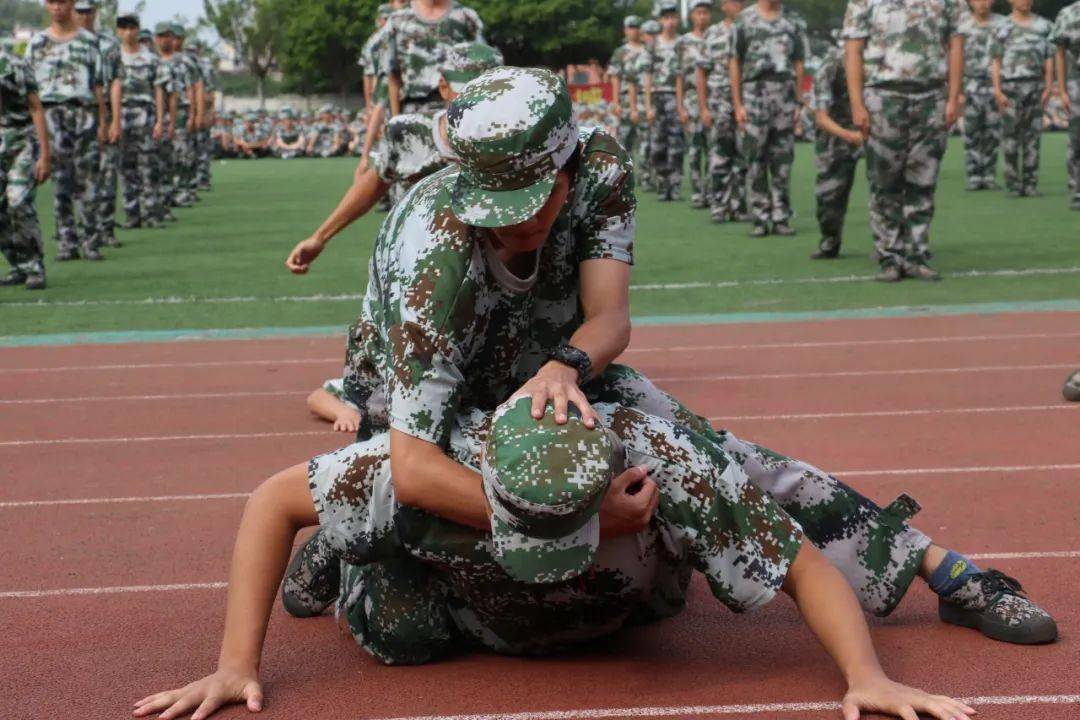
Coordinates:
109 166
413 146
188 158
144 82
727 182
838 147
178 92
24 164
770 47
693 52
66 64
904 65
416 38
1066 38
667 138
622 72
208 72
982 120
1022 69
650 29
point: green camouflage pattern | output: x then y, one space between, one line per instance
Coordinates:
906 42
664 62
143 72
696 139
903 158
336 388
17 84
512 130
372 61
1023 51
982 132
138 158
626 64
66 72
768 147
667 146
544 483
442 320
410 148
769 49
727 197
328 139
835 160
977 40
464 62
1021 134
414 47
719 47
20 232
76 159
112 67
1066 34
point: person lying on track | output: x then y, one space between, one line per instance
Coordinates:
330 403
547 574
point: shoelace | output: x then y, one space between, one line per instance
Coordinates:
998 582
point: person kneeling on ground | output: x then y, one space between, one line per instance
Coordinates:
415 587
330 403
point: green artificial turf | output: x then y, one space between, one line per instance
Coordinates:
233 245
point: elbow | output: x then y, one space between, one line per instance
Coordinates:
621 332
404 477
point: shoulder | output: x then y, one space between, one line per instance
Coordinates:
87 37
466 13
1042 25
603 159
409 123
38 40
794 17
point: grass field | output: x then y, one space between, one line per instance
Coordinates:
221 266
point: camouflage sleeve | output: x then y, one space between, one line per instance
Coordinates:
607 202
823 82
998 38
336 388
98 71
162 76
799 47
729 529
956 13
478 26
25 77
856 20
391 58
738 40
615 65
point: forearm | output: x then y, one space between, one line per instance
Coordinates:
369 89
1059 62
831 611
200 104
174 108
424 477
680 91
800 72
159 106
702 95
853 67
826 123
648 90
102 109
1048 75
956 67
735 71
37 115
393 82
632 96
995 75
605 302
375 120
275 512
116 91
361 196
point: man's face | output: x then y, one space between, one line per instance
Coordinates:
732 8
164 43
398 4
646 38
86 19
669 22
530 235
701 17
632 35
60 10
981 8
1021 6
128 35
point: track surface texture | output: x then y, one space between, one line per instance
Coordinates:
124 468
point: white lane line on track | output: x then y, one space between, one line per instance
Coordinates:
351 297
855 343
124 500
160 438
197 364
897 413
748 709
22 594
959 470
864 373
178 396
13 594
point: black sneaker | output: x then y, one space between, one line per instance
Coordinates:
995 604
13 278
890 273
782 228
922 271
1071 391
35 282
828 249
65 255
92 254
312 580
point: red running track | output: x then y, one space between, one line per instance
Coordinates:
126 465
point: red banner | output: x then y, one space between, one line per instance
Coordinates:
592 94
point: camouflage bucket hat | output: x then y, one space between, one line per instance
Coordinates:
545 483
631 21
513 129
164 28
178 30
86 5
667 6
651 27
701 3
465 62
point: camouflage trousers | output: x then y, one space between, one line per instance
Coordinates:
1021 133
204 151
835 161
138 158
108 176
20 232
697 154
1073 160
903 157
428 104
628 134
769 148
396 608
75 163
727 173
982 132
180 167
667 145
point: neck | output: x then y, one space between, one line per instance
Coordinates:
669 34
63 27
132 47
1021 13
770 5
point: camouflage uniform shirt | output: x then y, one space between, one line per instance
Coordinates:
716 56
665 63
906 40
17 84
977 39
1066 34
414 46
68 71
143 72
1023 51
371 60
445 325
625 65
769 49
693 52
112 66
412 148
830 88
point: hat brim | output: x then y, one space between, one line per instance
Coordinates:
474 205
544 561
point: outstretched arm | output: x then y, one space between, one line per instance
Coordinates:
279 508
829 607
346 418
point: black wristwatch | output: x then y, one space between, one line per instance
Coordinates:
575 358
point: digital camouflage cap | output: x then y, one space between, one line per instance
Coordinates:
666 6
512 129
545 483
651 27
632 21
464 62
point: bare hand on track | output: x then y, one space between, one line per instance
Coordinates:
204 697
882 695
347 421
